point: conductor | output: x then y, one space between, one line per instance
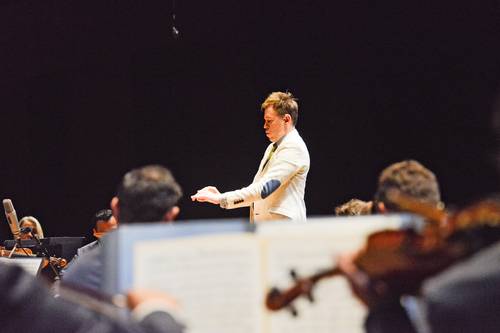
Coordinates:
277 190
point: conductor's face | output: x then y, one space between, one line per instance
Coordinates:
275 125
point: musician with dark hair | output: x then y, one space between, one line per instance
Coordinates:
411 178
146 194
464 297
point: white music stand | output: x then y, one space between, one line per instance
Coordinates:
32 265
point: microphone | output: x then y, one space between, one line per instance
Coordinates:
11 215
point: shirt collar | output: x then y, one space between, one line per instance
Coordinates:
277 143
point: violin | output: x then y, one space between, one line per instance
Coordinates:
277 300
20 251
396 262
58 263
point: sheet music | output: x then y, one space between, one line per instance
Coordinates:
221 280
31 265
216 278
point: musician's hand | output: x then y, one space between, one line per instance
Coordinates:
207 194
370 292
141 296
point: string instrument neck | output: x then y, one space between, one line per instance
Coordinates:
277 299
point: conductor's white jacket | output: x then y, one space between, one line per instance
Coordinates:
279 185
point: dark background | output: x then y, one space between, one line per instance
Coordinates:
91 89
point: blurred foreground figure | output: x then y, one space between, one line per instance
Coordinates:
454 285
28 306
462 298
146 194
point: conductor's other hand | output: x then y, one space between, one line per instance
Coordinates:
207 194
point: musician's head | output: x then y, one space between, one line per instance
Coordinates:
32 223
104 221
354 207
147 194
410 178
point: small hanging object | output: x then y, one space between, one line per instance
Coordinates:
175 32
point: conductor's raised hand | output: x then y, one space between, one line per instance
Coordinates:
207 194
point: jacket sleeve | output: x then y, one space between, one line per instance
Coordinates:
288 161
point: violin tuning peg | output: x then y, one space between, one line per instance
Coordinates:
310 296
294 275
293 310
274 292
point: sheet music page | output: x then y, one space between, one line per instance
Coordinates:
217 280
31 265
307 249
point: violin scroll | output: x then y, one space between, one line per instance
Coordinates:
277 300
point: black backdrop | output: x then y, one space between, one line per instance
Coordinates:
91 89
